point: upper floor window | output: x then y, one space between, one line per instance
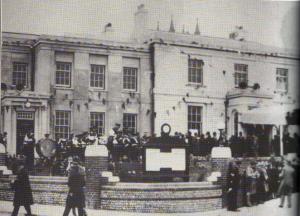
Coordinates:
241 74
62 124
63 74
130 122
195 71
130 78
195 118
97 78
20 74
282 79
97 122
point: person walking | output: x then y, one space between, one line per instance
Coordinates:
287 184
23 193
233 181
75 198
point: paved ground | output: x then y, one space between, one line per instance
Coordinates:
270 208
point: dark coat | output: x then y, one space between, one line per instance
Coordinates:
233 184
76 197
287 182
23 193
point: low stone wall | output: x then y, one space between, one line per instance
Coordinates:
45 189
162 197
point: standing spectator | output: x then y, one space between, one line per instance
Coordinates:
273 181
233 186
215 140
202 145
275 145
208 143
76 198
28 150
261 184
287 143
241 145
287 184
250 174
23 193
234 145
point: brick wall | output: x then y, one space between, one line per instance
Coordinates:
162 197
46 189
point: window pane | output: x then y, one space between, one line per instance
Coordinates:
129 122
194 118
62 124
20 74
130 78
63 74
241 73
282 79
97 122
195 71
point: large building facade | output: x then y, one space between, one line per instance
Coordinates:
63 85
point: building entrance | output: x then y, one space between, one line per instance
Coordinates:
25 125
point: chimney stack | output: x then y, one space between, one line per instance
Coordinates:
141 23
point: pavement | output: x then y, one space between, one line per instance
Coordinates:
269 208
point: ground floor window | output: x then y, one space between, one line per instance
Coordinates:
97 122
195 118
62 124
130 122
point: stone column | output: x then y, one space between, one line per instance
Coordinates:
96 161
220 158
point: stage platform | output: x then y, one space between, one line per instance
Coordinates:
133 197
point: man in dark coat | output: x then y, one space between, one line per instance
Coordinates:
233 184
23 193
28 150
76 198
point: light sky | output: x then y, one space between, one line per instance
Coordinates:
268 22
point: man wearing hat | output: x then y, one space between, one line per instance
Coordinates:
287 176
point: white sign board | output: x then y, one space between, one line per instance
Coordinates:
221 152
155 160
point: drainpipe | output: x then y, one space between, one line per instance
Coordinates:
32 50
226 102
152 80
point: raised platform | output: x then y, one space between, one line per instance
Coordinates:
136 197
162 197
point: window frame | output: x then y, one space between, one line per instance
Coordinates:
136 79
189 122
198 69
103 76
70 74
60 125
135 121
240 72
282 77
26 85
103 121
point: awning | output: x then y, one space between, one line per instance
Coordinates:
271 115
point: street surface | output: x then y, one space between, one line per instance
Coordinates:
269 208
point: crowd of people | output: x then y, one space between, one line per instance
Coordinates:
261 181
124 145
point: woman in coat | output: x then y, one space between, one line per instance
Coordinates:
233 181
76 198
262 186
23 193
287 184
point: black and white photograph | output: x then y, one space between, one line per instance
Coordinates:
149 107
